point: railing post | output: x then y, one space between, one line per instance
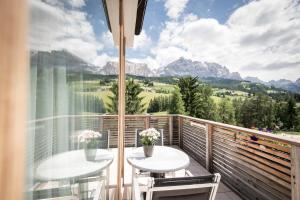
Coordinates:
295 172
180 131
101 123
209 131
170 130
147 121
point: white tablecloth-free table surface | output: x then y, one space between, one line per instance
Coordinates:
164 159
72 164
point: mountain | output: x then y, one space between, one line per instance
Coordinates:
297 82
137 69
61 59
186 67
254 80
286 84
181 67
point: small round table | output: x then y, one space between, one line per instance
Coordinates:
164 159
72 164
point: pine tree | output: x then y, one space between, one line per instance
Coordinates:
159 104
291 114
203 106
237 104
226 111
176 103
188 88
133 100
258 111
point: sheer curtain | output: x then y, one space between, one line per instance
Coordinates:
60 107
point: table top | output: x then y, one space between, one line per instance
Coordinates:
72 164
164 159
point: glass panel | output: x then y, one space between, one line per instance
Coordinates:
68 152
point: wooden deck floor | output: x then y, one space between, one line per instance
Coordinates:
224 193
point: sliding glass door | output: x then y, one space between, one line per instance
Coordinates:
67 98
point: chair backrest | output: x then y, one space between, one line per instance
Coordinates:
104 140
159 142
186 188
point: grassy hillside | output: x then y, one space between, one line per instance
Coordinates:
99 86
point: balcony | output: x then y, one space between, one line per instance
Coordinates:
252 164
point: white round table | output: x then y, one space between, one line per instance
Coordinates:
164 159
72 164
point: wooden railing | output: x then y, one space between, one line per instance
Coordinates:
256 165
168 123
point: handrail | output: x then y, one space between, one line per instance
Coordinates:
62 116
246 130
219 124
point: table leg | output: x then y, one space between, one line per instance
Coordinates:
107 183
132 178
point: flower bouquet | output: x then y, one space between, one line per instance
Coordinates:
91 140
148 139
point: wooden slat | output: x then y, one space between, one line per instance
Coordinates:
170 130
295 173
270 151
260 168
264 161
209 129
13 97
268 143
246 190
251 177
255 151
263 141
133 122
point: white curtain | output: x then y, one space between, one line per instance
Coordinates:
58 105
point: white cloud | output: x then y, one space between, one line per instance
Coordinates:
54 27
151 63
260 33
102 59
107 40
142 41
175 8
61 3
77 3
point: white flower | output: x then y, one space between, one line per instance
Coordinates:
151 134
88 134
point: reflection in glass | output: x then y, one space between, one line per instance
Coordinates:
64 107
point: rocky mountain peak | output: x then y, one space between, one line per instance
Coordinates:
187 67
137 69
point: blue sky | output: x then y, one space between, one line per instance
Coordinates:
156 17
255 38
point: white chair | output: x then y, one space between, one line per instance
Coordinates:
185 188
